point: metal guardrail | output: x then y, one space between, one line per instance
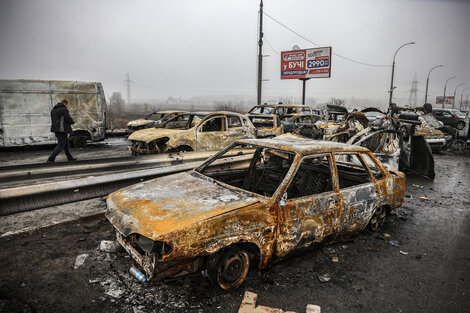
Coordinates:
26 198
22 174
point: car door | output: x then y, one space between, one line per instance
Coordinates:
358 192
309 205
212 133
235 129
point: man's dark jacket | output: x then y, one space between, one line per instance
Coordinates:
61 119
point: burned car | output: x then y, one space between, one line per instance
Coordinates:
275 119
239 209
151 120
438 136
191 132
267 125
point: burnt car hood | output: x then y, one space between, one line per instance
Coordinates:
140 122
149 134
163 205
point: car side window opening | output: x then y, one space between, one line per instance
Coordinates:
373 167
312 177
234 121
446 114
214 124
351 171
262 174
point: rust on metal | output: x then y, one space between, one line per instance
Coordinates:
291 193
197 131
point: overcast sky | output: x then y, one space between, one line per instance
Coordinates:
191 48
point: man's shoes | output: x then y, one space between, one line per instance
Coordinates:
50 161
72 159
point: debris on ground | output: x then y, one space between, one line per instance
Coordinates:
312 308
393 243
423 198
248 305
110 246
334 259
386 235
324 278
80 260
403 252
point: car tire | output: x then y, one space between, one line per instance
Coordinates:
460 125
228 268
183 148
80 142
378 218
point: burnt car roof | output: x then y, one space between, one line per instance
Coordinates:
304 146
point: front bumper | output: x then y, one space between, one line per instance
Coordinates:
156 269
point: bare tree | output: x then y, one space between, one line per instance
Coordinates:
115 111
336 101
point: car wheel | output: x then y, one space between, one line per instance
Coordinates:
80 142
378 218
228 268
460 125
183 149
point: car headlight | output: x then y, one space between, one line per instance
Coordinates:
149 245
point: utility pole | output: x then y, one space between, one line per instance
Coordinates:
445 86
260 52
413 98
128 81
455 91
461 99
427 83
393 70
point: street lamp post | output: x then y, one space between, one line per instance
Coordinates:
427 83
393 70
455 90
445 86
461 98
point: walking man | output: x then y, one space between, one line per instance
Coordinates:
61 121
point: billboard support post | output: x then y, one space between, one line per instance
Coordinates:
303 88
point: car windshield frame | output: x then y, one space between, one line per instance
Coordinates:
296 157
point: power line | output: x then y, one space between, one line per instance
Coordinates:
269 44
305 38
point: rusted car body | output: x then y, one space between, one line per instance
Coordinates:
267 125
153 119
25 107
238 209
191 132
275 119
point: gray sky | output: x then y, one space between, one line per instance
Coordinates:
191 48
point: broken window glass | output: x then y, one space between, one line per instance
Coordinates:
351 171
260 172
214 124
312 177
234 121
375 170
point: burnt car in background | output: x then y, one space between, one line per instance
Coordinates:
267 125
275 119
438 136
238 209
153 119
451 117
191 132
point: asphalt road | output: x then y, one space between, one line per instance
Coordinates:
418 262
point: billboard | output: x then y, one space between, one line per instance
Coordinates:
306 63
449 99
